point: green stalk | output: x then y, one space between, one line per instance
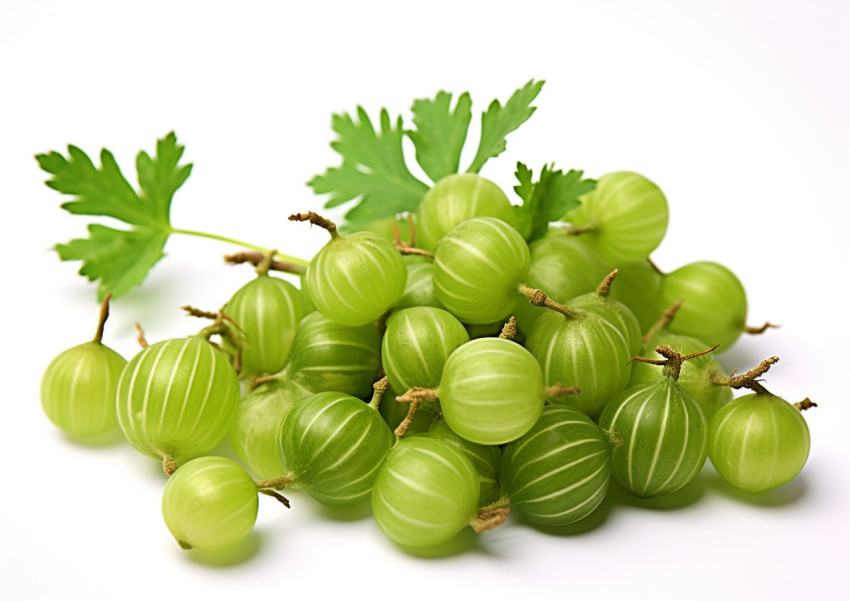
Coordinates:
280 256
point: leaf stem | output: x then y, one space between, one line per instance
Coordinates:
279 256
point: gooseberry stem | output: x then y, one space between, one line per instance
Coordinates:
316 219
759 329
805 404
255 258
663 322
379 389
490 517
604 287
169 466
672 361
275 483
140 336
509 330
281 257
275 495
540 299
748 379
104 315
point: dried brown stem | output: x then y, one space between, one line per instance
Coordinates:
759 329
672 361
509 330
316 219
169 466
489 517
199 313
805 404
104 315
418 393
604 287
540 299
576 230
663 322
404 426
409 250
749 379
558 390
275 495
140 336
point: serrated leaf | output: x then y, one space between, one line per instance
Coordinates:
440 133
498 121
119 259
373 168
547 199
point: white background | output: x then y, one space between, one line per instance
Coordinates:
738 110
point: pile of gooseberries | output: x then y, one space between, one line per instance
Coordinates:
448 384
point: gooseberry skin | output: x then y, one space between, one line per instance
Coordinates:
627 214
558 472
177 398
78 389
485 459
329 356
665 437
585 351
426 492
613 311
419 291
356 278
267 310
417 343
453 200
638 285
562 266
714 303
210 503
478 269
331 445
759 442
255 432
491 391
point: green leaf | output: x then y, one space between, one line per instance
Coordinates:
547 199
498 121
440 133
373 169
119 259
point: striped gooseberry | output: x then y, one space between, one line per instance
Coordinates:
623 219
330 356
664 433
331 445
255 431
210 503
417 343
491 391
267 310
453 200
759 441
426 492
354 278
600 302
78 386
478 269
558 472
176 399
714 303
583 349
